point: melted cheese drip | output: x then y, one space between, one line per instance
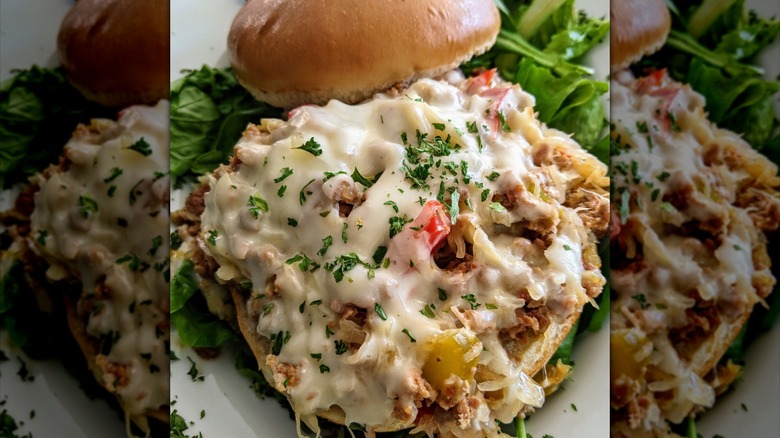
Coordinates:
367 383
90 227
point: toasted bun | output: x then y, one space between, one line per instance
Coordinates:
638 28
294 52
116 53
90 348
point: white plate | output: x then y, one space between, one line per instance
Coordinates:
198 37
28 35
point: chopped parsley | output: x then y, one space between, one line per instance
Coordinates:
115 172
442 294
292 222
379 254
642 300
380 311
280 192
142 147
285 173
324 369
326 243
667 207
134 194
440 126
212 239
344 235
41 239
257 204
504 125
367 183
311 147
278 340
175 240
156 243
341 347
304 262
397 224
472 300
303 193
407 333
493 176
193 372
427 311
392 204
87 205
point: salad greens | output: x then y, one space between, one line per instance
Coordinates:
197 327
538 47
209 111
713 46
38 111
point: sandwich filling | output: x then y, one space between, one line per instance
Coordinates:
693 203
410 261
100 219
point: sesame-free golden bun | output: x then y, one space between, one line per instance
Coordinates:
637 28
117 53
294 52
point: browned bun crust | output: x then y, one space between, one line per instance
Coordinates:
533 356
116 53
638 28
294 52
90 348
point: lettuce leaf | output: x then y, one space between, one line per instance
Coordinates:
197 327
209 112
39 110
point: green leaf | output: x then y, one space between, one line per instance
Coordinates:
574 42
199 328
727 96
209 112
183 286
553 93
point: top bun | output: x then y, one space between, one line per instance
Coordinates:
294 52
638 28
117 52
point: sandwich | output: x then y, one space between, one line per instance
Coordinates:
694 203
91 230
406 262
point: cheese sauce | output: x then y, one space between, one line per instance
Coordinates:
417 169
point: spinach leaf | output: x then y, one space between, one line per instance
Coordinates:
209 111
38 111
197 327
183 286
573 42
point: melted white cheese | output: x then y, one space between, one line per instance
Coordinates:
104 219
485 155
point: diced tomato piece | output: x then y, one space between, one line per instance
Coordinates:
480 81
423 237
437 224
